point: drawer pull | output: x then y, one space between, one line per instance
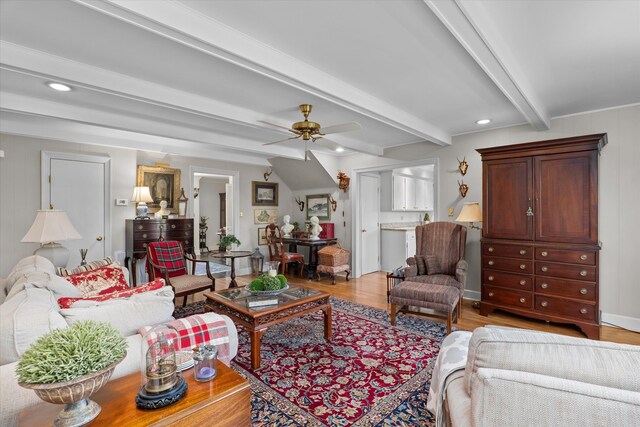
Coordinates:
522 252
490 294
544 303
491 249
523 300
544 253
140 227
545 269
144 245
583 291
490 278
144 236
583 273
173 226
186 233
161 227
583 311
583 257
522 266
523 282
490 262
544 285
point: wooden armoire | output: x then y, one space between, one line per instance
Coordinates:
540 230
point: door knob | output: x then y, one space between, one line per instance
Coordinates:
99 238
364 231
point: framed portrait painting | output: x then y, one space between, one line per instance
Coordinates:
163 183
318 205
264 193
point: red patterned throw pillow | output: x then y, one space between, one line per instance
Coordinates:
151 286
103 280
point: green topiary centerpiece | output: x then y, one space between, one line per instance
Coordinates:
268 284
67 365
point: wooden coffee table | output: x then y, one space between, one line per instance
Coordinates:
292 303
224 402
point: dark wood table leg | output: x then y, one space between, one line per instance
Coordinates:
256 337
233 283
134 274
327 322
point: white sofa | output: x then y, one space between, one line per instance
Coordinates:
516 377
29 309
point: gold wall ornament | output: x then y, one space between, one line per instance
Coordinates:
343 183
463 166
334 203
463 188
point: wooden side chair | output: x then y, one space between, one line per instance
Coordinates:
167 261
277 252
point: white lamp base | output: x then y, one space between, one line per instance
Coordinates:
54 252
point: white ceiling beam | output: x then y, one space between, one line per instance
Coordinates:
179 23
471 27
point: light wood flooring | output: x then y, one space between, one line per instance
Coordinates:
371 290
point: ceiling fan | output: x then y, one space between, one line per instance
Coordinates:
312 131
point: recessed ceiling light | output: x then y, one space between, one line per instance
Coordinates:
59 86
483 121
339 149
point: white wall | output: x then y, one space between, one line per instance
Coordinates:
618 205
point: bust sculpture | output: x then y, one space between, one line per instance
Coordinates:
163 210
286 227
315 228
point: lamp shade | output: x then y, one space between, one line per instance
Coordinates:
141 194
470 213
51 225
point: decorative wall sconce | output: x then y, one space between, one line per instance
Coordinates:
463 188
344 181
268 173
182 204
334 204
463 166
300 204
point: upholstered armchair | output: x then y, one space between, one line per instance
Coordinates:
439 258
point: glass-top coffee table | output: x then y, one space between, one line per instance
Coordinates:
292 303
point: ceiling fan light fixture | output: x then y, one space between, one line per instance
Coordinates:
59 87
483 121
339 149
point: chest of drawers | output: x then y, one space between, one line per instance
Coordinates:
141 232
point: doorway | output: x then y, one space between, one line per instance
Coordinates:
370 222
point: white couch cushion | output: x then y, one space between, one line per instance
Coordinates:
25 317
126 315
44 280
27 265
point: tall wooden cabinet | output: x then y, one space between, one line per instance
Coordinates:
540 230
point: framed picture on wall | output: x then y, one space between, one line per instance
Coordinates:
265 216
318 205
163 183
262 236
264 193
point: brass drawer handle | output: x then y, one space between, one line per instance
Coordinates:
545 269
490 278
523 300
522 252
144 245
583 257
544 285
490 262
173 226
523 282
491 249
161 227
544 253
144 236
522 266
583 291
583 273
186 233
544 303
583 311
490 294
140 227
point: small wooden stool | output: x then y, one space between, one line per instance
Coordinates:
332 270
435 297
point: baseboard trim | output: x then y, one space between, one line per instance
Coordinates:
471 295
626 322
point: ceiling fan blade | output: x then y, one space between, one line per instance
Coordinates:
327 143
275 125
282 140
344 127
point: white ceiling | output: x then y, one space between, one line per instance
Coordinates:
196 77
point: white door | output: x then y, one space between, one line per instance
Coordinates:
369 220
77 185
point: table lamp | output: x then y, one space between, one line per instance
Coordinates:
142 196
470 213
52 226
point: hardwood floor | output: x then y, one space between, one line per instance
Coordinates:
371 290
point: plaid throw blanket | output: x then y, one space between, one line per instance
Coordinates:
169 255
197 329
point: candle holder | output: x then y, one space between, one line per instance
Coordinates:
204 362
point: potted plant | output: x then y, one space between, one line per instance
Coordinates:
68 365
203 221
427 218
227 241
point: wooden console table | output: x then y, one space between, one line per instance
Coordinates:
224 402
